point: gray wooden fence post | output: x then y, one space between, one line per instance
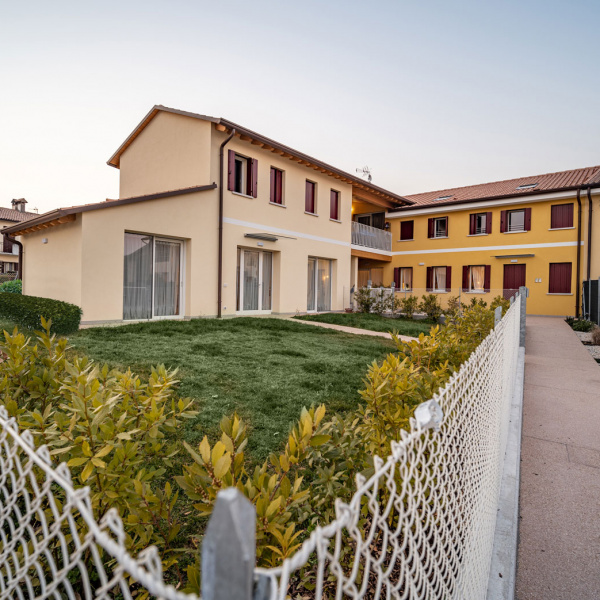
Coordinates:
497 315
523 292
229 549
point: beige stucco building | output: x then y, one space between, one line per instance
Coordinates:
212 219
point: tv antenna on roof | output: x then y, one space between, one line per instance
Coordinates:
365 172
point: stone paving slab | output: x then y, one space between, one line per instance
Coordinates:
559 536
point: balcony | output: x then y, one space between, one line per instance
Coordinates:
371 237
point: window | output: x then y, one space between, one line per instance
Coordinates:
407 230
527 186
560 278
319 285
242 175
480 223
440 198
438 279
254 280
334 205
515 220
476 278
276 186
7 246
310 197
403 278
561 216
376 220
438 227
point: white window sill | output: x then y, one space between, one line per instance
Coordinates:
560 228
481 292
439 237
334 220
277 204
411 240
311 214
477 234
439 292
242 195
520 231
559 294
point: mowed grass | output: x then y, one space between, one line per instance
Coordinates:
264 369
373 322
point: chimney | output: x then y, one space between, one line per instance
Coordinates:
19 204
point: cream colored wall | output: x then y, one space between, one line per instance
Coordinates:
172 152
540 302
53 269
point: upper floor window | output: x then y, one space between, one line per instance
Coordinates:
334 205
310 198
242 174
515 220
559 281
438 227
480 223
376 220
407 230
7 246
276 186
561 216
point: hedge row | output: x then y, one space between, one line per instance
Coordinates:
28 310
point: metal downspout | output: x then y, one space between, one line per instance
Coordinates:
578 284
589 244
220 259
15 241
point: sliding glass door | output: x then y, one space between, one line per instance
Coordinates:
152 282
255 281
319 285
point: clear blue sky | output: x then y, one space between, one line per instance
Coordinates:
427 94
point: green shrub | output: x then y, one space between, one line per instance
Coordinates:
28 311
478 302
384 302
364 300
431 306
581 325
500 301
12 287
409 306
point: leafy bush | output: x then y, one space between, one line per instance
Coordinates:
478 302
500 301
431 306
581 325
28 311
364 300
409 306
384 302
12 287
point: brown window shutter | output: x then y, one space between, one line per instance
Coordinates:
502 221
253 178
397 277
560 278
472 224
334 205
528 219
487 278
273 183
407 230
231 170
448 278
430 230
488 222
465 279
429 283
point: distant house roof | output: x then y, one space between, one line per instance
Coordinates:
523 186
10 214
248 135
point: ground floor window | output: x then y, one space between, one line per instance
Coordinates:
8 267
254 280
560 278
476 278
438 279
403 278
319 285
152 281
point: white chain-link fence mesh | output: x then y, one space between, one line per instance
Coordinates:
421 526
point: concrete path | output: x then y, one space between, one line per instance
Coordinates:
559 537
355 330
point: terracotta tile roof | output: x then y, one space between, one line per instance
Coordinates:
550 182
10 214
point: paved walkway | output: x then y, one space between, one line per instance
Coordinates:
559 537
355 330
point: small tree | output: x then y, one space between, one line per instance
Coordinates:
431 306
364 300
409 306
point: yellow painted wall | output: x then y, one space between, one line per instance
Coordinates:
464 249
172 152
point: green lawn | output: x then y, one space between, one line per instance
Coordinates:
372 322
265 369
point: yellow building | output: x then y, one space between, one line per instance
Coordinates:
487 240
9 251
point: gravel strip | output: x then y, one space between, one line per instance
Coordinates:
587 337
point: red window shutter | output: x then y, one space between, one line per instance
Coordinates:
502 221
472 224
560 278
273 183
309 199
488 222
465 279
334 205
231 170
528 219
429 283
561 216
254 177
397 277
448 278
487 278
407 230
430 230
447 227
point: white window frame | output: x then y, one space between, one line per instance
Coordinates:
509 214
316 286
434 282
240 290
435 227
245 166
402 288
471 288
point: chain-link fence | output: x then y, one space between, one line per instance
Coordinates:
10 276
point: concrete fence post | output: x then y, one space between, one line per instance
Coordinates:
523 292
229 549
497 315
